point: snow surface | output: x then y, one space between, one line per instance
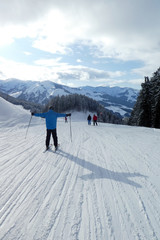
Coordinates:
12 114
102 185
117 109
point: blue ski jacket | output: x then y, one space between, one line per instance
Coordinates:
51 118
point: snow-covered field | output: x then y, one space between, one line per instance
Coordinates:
104 185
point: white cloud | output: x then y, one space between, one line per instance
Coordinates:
15 11
123 30
79 61
24 71
49 62
27 53
136 81
54 70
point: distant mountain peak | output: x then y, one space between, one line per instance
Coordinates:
116 99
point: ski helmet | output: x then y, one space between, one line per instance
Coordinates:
51 107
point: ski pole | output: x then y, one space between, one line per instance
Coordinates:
70 129
28 126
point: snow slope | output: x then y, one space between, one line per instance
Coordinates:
102 185
12 114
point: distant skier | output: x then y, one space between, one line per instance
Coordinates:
51 124
95 120
89 119
66 120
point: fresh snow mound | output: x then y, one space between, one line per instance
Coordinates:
9 110
10 113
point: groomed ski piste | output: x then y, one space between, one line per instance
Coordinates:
104 185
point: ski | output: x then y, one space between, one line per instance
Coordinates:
50 148
56 149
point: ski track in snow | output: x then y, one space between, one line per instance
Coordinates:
102 185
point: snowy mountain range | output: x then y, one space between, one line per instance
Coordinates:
116 99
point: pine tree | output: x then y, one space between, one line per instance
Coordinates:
82 103
146 111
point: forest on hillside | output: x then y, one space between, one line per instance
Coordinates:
82 103
146 111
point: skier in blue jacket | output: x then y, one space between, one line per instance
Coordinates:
51 124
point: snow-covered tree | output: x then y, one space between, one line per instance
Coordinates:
146 111
82 103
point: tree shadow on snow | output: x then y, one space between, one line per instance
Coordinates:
98 172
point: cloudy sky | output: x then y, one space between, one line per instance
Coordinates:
80 42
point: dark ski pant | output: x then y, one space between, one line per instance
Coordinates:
54 135
95 122
89 122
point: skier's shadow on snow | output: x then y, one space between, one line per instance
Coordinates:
98 172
